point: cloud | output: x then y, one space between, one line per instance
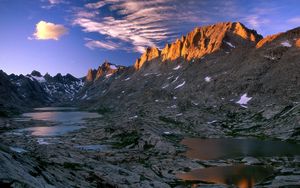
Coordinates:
142 23
109 45
139 24
295 20
53 2
49 31
95 5
256 21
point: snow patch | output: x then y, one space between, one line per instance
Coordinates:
175 79
286 44
42 141
169 77
113 67
109 75
244 100
127 79
180 85
133 117
17 150
211 122
174 106
178 67
85 96
165 86
149 74
39 79
195 103
207 79
230 44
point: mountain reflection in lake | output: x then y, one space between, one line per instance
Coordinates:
50 131
61 116
67 120
242 176
224 148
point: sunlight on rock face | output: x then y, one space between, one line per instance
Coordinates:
298 43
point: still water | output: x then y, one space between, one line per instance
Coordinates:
224 148
68 119
242 176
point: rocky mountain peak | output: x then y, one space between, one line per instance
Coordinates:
36 73
90 75
149 55
105 70
202 41
289 38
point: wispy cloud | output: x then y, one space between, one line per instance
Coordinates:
55 1
255 21
141 23
108 45
52 3
48 31
295 20
95 5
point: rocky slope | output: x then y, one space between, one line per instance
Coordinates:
8 95
224 73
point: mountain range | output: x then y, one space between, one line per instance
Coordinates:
223 73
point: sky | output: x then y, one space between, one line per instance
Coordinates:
71 36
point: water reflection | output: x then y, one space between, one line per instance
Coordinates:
67 120
50 131
210 149
64 117
242 176
55 109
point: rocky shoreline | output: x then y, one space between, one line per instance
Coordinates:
113 153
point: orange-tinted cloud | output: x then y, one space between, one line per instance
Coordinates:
49 31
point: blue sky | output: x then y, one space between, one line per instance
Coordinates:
71 36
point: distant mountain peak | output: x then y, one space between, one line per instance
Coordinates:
106 69
36 73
